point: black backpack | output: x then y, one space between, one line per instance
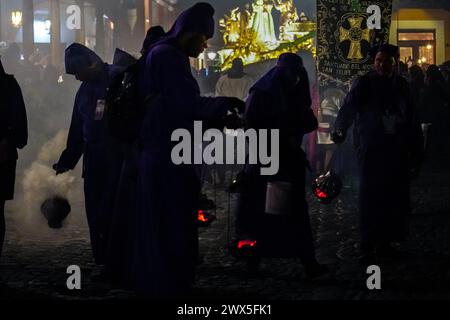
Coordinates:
123 108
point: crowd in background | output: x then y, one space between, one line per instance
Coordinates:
430 87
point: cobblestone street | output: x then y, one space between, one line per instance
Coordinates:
34 266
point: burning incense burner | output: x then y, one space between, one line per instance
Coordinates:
327 187
55 209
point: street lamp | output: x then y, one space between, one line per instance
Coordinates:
16 18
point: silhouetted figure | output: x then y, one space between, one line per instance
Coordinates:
235 82
417 83
445 69
13 136
119 248
89 137
327 114
11 60
167 244
123 59
154 34
435 110
389 145
120 252
410 62
281 100
403 69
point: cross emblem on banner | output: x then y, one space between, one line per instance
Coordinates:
355 35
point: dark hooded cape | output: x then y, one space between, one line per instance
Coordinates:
272 106
89 137
167 244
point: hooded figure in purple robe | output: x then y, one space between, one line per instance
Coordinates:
121 240
167 244
89 137
280 100
154 34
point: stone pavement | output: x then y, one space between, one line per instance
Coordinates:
34 263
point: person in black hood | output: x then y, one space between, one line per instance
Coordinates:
89 138
154 34
13 136
281 100
168 194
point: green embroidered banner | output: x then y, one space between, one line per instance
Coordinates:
347 29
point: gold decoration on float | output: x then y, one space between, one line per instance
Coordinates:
249 32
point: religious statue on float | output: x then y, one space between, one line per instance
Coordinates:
263 25
249 32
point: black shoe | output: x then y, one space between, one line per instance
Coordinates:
315 270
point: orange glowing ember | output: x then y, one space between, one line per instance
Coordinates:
201 216
320 193
246 243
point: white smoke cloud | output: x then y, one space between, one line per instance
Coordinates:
40 182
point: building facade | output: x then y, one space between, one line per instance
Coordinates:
49 26
422 31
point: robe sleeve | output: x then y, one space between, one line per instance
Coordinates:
258 111
353 100
75 142
308 120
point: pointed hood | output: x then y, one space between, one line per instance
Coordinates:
198 18
123 58
78 57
